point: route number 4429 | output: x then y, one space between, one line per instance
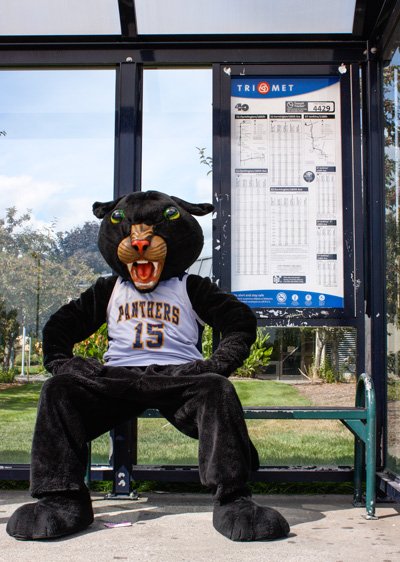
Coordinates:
327 107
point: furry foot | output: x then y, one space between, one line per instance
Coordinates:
53 516
244 520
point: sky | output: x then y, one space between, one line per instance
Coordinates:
58 155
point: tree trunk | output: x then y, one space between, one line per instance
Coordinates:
335 358
319 347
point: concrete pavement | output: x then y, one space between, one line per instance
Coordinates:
178 528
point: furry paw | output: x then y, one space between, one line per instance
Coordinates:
244 520
53 516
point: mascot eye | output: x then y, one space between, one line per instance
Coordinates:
171 213
117 216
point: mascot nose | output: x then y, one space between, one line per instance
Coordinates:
140 246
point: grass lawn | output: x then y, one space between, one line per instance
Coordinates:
279 442
18 405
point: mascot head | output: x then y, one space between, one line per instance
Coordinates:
149 237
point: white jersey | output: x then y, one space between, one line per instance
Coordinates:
159 327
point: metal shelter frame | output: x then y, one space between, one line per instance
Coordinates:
364 53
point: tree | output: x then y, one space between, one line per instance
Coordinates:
321 340
9 330
334 336
206 160
36 278
392 180
81 243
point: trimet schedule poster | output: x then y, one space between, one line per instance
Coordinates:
287 216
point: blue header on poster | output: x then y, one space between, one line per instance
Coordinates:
270 87
289 299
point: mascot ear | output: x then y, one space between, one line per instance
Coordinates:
198 209
101 209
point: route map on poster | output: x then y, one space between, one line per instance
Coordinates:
287 216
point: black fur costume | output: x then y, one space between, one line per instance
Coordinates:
148 239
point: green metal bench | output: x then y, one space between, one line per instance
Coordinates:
360 420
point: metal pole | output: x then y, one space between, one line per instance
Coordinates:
38 297
375 242
29 358
396 186
23 350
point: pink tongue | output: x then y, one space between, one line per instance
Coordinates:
144 270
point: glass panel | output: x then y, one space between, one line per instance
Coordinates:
323 355
212 16
289 378
56 159
177 122
392 178
60 17
307 367
177 130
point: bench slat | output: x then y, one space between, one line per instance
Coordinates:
289 412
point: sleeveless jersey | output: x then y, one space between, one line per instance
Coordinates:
159 327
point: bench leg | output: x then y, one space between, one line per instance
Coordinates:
89 465
371 469
358 466
365 395
124 455
370 502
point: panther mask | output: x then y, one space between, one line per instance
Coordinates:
148 237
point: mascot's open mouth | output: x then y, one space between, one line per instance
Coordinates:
145 274
143 254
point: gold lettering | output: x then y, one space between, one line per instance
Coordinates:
156 310
121 313
175 315
150 309
142 304
158 314
167 311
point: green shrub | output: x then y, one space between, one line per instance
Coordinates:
36 359
393 389
8 376
393 362
326 372
207 343
95 346
258 359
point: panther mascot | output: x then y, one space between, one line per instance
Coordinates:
154 313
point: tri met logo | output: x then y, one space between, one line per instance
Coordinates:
264 88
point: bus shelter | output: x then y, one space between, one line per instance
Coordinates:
296 112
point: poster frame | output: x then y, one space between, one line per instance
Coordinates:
222 184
